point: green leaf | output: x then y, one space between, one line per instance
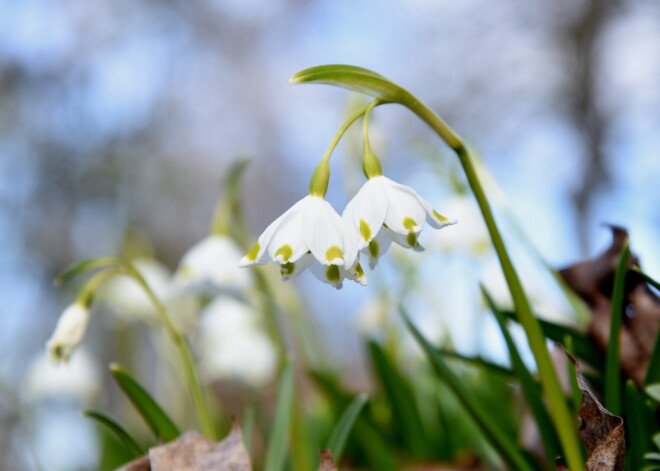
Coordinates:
154 416
488 424
653 369
278 442
343 427
613 367
584 347
119 431
407 420
653 390
656 440
529 386
354 78
638 437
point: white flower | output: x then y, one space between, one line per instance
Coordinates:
210 267
128 297
384 211
69 332
310 233
79 378
233 344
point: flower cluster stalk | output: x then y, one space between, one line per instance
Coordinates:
559 409
190 370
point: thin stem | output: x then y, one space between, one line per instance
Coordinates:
370 163
185 353
345 126
86 294
560 412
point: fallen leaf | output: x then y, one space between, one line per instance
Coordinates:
327 461
593 280
193 452
601 431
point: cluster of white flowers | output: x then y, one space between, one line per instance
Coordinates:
312 234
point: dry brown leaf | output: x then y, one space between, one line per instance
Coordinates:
193 452
601 431
592 280
327 461
138 464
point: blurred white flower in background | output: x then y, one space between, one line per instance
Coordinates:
79 378
233 344
68 333
371 318
129 300
211 267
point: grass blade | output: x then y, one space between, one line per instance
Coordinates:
407 420
154 416
583 347
340 432
278 442
504 445
118 431
529 386
613 368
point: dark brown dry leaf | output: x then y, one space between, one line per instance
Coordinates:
193 452
592 280
138 464
327 461
601 431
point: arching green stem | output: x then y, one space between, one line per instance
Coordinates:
370 163
318 185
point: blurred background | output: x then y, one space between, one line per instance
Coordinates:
121 117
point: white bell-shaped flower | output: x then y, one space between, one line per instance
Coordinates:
69 332
310 233
209 267
383 211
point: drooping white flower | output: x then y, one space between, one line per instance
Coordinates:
69 332
310 233
384 211
210 267
233 344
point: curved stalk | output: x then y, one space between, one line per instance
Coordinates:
564 423
190 370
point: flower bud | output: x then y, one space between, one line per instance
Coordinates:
69 332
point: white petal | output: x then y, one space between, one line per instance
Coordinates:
324 232
366 210
258 254
287 244
434 218
292 269
378 246
69 332
408 241
355 273
405 213
330 274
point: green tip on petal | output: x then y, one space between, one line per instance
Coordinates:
359 271
409 224
254 251
285 252
411 238
334 253
332 274
287 269
365 230
374 249
440 216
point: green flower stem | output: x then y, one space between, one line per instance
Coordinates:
185 353
370 163
564 423
318 185
86 294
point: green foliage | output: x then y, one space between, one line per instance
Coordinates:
158 421
278 441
